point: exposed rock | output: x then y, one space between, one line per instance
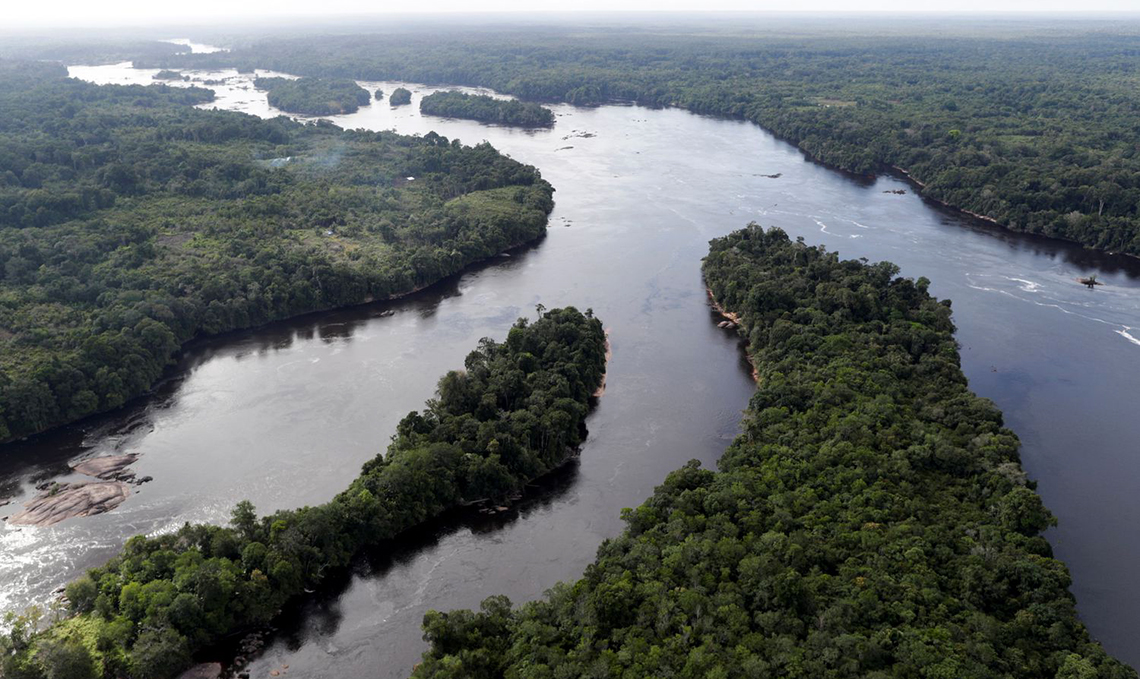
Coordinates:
64 501
206 670
108 467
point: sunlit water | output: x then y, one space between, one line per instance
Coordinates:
285 415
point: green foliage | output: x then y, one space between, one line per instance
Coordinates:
515 412
400 96
131 222
1045 120
167 74
314 96
486 109
871 520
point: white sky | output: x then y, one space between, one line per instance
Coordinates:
21 13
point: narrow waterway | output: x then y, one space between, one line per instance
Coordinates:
285 415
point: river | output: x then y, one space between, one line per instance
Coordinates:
284 415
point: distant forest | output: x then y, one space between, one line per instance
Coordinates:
314 96
871 519
486 109
132 222
1035 130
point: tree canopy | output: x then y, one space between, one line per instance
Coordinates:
871 519
400 96
516 411
131 222
314 96
486 109
1032 128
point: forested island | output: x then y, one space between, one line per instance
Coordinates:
871 520
400 96
516 412
167 74
314 96
486 109
132 222
979 118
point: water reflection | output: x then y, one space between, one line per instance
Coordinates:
318 619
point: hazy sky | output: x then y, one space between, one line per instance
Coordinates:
134 12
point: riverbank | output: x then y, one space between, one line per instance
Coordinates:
601 390
368 299
865 484
316 394
434 464
732 322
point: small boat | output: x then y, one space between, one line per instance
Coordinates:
1090 281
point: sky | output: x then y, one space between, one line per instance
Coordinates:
34 13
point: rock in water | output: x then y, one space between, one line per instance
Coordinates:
108 467
71 499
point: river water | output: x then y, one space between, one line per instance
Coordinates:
284 415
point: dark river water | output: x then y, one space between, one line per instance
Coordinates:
284 415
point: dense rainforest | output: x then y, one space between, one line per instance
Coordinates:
516 411
132 222
170 75
400 97
486 109
871 519
314 96
1033 129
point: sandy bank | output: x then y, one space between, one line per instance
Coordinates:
734 322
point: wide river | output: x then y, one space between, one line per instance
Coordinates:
284 415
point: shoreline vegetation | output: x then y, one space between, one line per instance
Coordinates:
118 252
732 322
514 413
601 390
486 109
986 125
401 96
314 96
872 519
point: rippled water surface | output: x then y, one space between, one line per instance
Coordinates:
285 415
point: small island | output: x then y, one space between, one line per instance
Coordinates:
167 74
400 96
379 94
486 109
314 96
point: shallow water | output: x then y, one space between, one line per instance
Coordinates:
285 415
